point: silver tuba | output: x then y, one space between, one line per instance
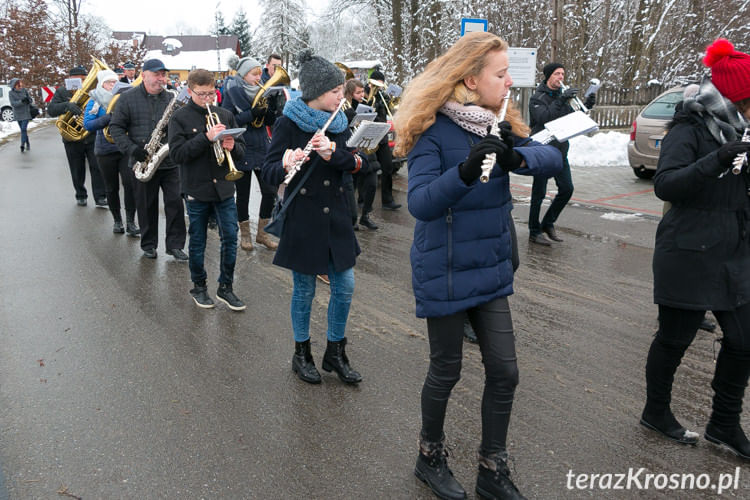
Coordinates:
145 170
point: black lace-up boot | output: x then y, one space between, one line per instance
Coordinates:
493 480
303 364
335 359
432 469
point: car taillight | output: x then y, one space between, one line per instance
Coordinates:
632 131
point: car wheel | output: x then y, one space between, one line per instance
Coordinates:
643 173
7 114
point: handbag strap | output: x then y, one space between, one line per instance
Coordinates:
288 199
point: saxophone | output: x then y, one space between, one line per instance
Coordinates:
145 170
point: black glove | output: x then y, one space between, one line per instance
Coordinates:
471 168
139 154
569 94
729 151
590 101
27 100
510 160
73 108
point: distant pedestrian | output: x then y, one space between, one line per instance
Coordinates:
462 255
21 101
702 251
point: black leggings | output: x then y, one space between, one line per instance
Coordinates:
268 196
114 167
494 328
677 329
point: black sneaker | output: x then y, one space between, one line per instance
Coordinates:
117 227
201 297
177 253
149 253
391 205
540 239
81 202
102 203
226 295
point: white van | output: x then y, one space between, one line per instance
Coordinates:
6 111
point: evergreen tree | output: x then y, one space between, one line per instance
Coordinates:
241 29
220 26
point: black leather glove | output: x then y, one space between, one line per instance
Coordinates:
569 94
590 101
729 151
73 108
471 168
510 160
139 154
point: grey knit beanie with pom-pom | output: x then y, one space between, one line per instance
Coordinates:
317 75
242 66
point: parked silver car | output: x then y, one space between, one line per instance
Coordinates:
648 131
6 111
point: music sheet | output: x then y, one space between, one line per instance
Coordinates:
368 135
571 125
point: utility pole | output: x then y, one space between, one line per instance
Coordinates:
218 52
557 28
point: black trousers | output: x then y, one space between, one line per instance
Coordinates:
385 158
677 329
147 203
494 328
77 153
115 167
367 184
267 200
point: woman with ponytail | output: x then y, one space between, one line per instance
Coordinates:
702 251
462 252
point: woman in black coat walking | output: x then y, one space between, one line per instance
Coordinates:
317 237
702 252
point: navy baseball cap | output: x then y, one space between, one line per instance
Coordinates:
154 65
129 65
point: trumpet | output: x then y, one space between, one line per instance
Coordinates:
491 158
212 119
576 103
741 159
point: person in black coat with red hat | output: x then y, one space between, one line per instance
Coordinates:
702 252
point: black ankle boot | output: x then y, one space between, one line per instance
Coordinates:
335 360
130 226
493 479
367 222
117 227
665 423
432 469
734 439
303 364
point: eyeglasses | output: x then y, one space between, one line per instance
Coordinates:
205 95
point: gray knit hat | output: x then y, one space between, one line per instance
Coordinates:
317 75
244 65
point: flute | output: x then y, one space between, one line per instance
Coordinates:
741 159
491 158
308 148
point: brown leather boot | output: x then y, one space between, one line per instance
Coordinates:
246 239
263 237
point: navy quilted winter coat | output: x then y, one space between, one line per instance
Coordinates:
461 254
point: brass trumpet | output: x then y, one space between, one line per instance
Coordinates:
212 119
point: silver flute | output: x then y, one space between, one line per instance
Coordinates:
491 158
741 159
309 147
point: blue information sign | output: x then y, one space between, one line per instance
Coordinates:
468 25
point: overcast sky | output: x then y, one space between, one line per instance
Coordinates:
172 17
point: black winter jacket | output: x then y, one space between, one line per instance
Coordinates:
256 139
547 105
702 251
58 106
189 147
134 119
318 224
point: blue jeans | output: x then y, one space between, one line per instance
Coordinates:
24 124
342 288
564 183
226 218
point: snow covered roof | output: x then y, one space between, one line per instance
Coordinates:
187 60
363 64
192 42
172 41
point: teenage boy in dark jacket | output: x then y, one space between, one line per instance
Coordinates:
204 186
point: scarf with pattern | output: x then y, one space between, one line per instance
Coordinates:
722 118
472 118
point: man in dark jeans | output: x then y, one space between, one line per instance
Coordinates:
78 151
548 103
135 117
205 186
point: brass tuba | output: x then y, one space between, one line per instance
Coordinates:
70 125
280 77
348 73
111 107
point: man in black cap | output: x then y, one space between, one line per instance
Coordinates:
78 151
548 103
134 119
384 155
129 71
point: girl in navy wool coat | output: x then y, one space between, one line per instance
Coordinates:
461 254
317 237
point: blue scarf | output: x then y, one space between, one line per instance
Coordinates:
311 120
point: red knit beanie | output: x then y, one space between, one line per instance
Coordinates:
730 69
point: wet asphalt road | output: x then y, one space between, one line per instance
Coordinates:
114 385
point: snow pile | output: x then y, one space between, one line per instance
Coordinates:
10 128
620 217
603 149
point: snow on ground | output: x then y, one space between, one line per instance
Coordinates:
10 128
603 149
620 217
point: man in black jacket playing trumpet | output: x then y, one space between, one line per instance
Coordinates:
204 186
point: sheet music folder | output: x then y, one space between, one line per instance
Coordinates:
566 127
368 135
